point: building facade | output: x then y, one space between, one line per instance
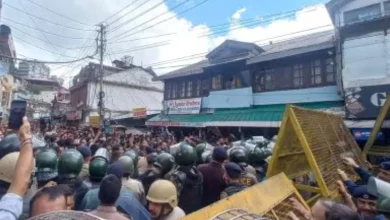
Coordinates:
362 56
33 70
245 85
125 87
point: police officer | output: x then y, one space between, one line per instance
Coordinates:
162 198
135 157
150 159
187 179
200 148
46 167
366 202
163 165
232 178
97 169
9 153
69 167
239 155
131 184
257 158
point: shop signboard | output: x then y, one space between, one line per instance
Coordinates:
362 134
365 102
94 121
139 113
176 124
183 106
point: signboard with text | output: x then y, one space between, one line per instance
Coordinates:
365 102
139 113
183 106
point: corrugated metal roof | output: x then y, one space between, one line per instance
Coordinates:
299 45
260 113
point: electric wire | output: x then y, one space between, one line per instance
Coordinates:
47 32
46 20
61 15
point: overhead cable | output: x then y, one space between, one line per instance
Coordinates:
58 35
46 20
61 15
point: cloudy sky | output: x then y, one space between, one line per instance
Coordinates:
162 34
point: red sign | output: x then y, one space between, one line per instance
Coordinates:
139 113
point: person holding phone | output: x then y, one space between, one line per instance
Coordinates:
19 169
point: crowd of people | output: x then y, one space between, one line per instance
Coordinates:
151 176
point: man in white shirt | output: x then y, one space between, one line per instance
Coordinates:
163 200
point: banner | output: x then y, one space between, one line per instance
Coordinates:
183 106
139 113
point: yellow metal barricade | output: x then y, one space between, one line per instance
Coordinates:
369 148
313 143
267 199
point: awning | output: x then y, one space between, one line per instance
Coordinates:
259 116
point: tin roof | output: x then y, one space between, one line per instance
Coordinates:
291 47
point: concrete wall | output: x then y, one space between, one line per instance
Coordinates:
366 60
234 98
135 76
240 98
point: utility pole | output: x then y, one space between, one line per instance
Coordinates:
101 72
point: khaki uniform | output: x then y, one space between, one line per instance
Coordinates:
177 213
136 187
84 171
248 178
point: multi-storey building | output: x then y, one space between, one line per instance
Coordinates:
246 86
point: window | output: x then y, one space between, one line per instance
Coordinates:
205 87
168 88
259 82
387 7
298 76
315 73
189 89
182 89
174 91
362 14
330 70
198 87
232 82
216 82
269 79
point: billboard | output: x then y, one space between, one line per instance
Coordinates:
365 102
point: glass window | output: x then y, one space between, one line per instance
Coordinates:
316 77
259 81
298 76
330 70
387 7
182 89
269 83
216 82
198 87
189 89
174 90
362 14
168 89
205 87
